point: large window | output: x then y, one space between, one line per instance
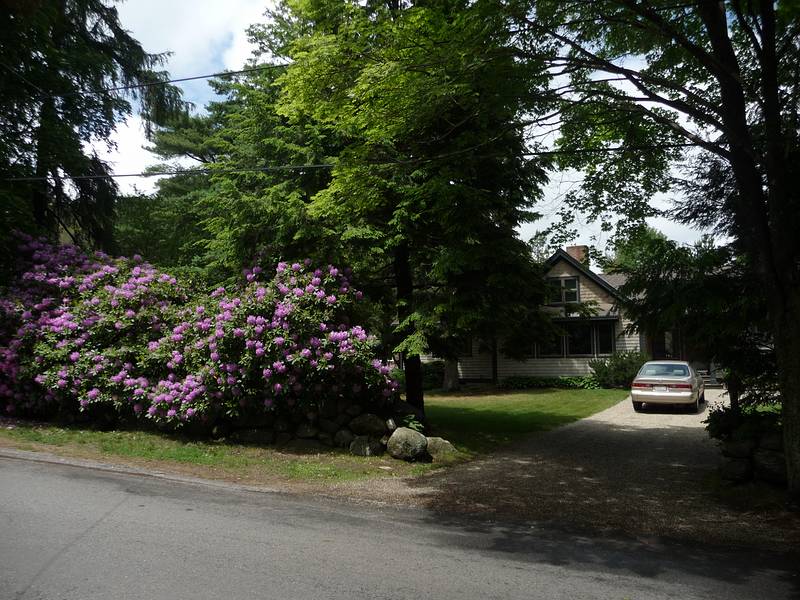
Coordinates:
563 290
579 339
551 346
605 337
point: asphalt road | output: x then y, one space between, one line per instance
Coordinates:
69 532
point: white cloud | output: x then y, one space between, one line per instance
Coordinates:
204 36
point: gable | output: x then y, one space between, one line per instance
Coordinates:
590 287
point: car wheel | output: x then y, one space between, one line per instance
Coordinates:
703 397
695 408
637 406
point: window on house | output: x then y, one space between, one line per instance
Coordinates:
563 290
579 339
550 346
605 337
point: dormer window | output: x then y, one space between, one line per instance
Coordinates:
563 290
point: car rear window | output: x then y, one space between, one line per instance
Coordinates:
664 370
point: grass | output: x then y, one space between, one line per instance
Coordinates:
476 421
479 421
218 459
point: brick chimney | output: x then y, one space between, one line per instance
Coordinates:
579 253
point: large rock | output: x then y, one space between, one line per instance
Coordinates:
325 438
368 424
770 466
441 450
407 444
306 430
738 449
255 436
343 438
328 426
736 469
363 445
304 446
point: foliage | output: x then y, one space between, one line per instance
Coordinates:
63 58
728 423
711 86
432 374
584 382
619 369
128 339
710 295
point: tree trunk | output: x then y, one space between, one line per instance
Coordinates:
450 383
405 307
787 352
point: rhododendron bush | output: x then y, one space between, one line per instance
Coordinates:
81 332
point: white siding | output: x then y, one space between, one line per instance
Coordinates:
627 342
477 366
542 367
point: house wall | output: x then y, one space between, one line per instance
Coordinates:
477 367
553 367
589 290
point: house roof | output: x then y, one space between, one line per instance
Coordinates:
587 272
614 279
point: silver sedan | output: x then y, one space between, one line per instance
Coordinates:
667 382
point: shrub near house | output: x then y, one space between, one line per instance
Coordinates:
97 334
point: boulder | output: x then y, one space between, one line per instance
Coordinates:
770 466
306 431
283 438
328 426
255 436
363 445
407 444
441 450
343 438
771 440
738 448
282 425
368 424
353 410
328 409
391 425
736 469
325 438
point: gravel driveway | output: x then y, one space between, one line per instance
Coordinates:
648 473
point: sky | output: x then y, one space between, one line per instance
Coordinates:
208 36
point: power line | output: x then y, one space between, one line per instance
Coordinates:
331 165
25 79
186 172
166 81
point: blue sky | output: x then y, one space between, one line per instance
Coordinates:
207 36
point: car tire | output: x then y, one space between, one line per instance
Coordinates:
637 406
695 408
703 397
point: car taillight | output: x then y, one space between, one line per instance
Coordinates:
680 386
642 386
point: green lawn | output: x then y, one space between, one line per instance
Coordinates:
476 422
218 459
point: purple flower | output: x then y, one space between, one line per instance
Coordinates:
74 356
296 267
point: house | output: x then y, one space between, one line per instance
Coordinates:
585 337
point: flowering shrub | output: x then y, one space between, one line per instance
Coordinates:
83 332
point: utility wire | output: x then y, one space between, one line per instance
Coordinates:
25 79
178 80
331 165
